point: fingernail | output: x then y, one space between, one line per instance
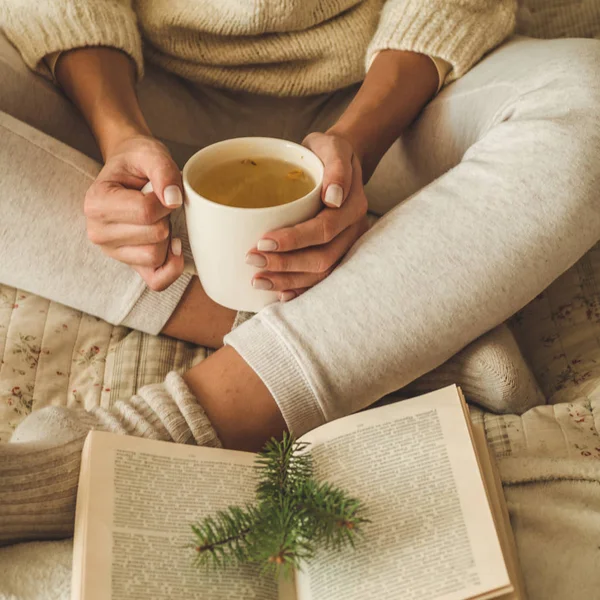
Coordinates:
287 296
256 260
172 195
176 246
334 195
266 245
262 284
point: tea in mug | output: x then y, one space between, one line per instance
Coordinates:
253 183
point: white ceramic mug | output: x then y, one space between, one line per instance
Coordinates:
220 236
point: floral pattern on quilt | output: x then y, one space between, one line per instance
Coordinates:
567 430
51 354
54 355
559 333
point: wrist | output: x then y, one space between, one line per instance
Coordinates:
110 135
362 149
395 90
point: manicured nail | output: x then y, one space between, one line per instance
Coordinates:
334 195
176 246
266 245
262 284
287 296
173 196
256 260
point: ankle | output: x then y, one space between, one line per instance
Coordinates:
236 401
198 319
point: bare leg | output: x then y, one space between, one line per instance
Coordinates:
199 319
236 401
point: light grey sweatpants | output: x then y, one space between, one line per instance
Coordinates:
488 197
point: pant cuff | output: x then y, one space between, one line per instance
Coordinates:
273 360
153 309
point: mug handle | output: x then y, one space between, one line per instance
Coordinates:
187 266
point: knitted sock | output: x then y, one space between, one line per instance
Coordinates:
491 371
39 468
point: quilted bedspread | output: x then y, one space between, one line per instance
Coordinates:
549 458
51 354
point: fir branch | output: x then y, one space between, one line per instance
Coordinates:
330 515
278 542
282 467
223 538
293 516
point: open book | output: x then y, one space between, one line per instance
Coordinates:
439 525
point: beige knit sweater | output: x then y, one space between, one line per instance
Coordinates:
281 47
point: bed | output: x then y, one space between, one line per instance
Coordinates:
549 458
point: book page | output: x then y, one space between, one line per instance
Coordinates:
431 535
81 529
142 496
499 510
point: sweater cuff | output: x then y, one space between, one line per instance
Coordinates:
273 361
48 29
456 34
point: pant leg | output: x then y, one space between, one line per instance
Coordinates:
38 102
48 159
508 156
43 242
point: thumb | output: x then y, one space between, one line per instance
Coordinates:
336 156
165 181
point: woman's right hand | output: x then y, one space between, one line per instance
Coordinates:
132 227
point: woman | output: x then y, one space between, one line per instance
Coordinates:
485 198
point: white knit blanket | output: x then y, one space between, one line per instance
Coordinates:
36 571
554 504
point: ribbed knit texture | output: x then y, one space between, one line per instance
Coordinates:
269 356
40 28
39 468
458 32
491 372
279 47
153 309
162 411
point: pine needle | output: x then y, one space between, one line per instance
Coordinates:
294 515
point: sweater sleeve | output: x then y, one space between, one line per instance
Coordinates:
457 31
38 29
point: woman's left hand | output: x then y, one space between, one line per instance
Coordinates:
296 258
